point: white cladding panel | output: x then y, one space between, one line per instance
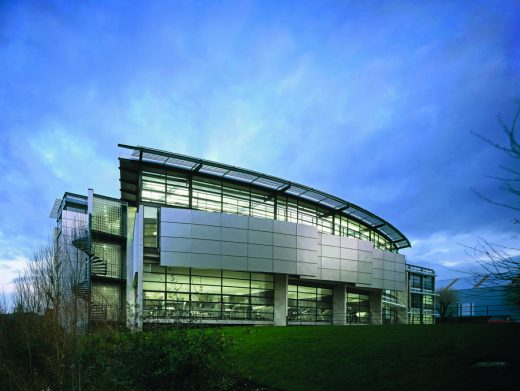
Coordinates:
214 240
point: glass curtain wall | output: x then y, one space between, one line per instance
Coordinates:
389 314
358 307
309 304
421 309
213 195
184 293
150 227
428 309
421 298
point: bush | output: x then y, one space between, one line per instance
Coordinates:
33 352
176 359
34 355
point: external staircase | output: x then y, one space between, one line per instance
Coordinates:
98 266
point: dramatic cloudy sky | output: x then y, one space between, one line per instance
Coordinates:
370 101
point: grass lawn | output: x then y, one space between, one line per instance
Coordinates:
440 357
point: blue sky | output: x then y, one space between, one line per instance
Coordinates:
371 101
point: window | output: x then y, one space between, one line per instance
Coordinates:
168 189
235 200
389 314
309 303
415 281
172 188
208 294
207 194
428 283
177 190
150 226
358 307
325 223
428 302
416 301
153 187
262 205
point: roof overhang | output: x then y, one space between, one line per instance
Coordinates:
130 166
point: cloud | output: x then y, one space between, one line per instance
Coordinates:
10 269
374 107
452 254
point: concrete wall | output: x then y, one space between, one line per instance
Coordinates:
376 308
339 303
280 299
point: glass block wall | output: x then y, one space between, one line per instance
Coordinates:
106 302
111 254
107 216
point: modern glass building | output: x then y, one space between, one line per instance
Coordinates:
194 240
421 294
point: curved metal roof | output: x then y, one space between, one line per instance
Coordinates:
129 186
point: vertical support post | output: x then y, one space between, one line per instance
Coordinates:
90 201
190 191
128 261
90 209
275 207
339 304
280 299
376 307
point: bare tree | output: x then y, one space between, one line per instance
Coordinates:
47 306
501 268
3 304
509 181
501 264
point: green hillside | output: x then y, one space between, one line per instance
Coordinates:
441 357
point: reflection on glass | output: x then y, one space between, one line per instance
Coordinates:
170 292
173 188
358 307
308 303
150 226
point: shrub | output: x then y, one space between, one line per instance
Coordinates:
176 359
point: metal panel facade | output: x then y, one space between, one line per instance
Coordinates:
200 239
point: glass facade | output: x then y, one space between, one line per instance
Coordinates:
390 314
183 293
176 189
421 283
151 228
307 303
358 307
